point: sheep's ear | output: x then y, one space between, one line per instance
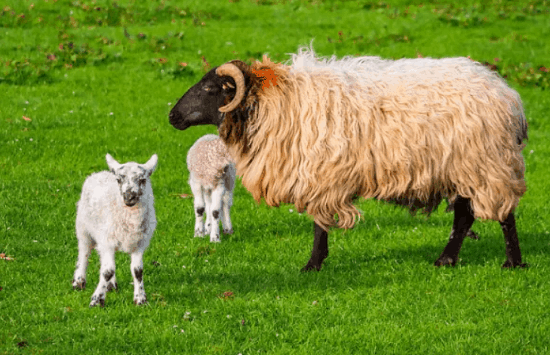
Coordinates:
112 163
151 164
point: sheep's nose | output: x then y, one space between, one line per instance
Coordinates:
174 117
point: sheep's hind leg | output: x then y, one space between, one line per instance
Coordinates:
199 206
215 211
513 253
136 266
319 251
106 276
227 200
85 246
463 220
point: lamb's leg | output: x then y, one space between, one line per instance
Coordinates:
463 220
85 246
227 201
215 210
513 253
208 201
106 276
136 266
319 251
199 206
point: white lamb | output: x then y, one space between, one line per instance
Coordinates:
212 180
115 212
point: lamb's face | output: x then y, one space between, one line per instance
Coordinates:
132 178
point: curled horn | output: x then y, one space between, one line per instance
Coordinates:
231 70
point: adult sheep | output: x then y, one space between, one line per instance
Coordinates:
320 132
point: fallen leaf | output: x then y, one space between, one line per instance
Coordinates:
8 258
185 195
26 119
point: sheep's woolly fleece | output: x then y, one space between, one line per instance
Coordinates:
334 129
207 159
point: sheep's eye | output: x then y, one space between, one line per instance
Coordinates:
142 181
119 180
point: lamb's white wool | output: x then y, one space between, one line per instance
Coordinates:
212 180
115 212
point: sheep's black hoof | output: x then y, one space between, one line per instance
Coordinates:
97 301
228 231
472 234
445 260
140 301
80 285
311 266
508 264
112 286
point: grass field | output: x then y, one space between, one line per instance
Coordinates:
79 79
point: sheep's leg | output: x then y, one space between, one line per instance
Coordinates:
319 251
215 210
227 202
199 206
464 218
136 266
513 253
106 276
471 234
208 200
85 246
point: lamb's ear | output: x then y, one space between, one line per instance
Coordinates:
112 163
151 164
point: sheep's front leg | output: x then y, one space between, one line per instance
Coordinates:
463 220
136 266
319 251
215 210
199 206
513 253
85 246
227 202
106 276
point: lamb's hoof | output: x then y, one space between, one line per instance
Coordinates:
472 234
140 300
199 234
445 260
508 264
80 284
311 266
97 301
215 239
228 231
112 286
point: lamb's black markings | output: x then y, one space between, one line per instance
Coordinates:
109 275
216 214
200 211
138 271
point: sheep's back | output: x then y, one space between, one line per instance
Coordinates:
389 130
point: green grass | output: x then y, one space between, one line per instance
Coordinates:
103 81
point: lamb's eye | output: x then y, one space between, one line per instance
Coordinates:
142 181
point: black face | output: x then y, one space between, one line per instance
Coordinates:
200 104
